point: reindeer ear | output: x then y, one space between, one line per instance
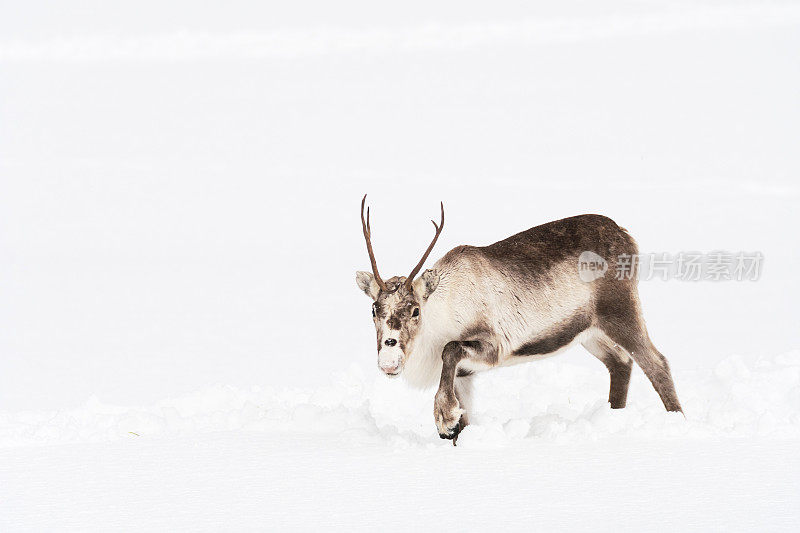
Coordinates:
426 283
366 282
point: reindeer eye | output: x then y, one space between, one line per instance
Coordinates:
373 310
415 312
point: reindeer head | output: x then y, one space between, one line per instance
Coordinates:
397 308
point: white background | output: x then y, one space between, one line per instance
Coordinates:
179 184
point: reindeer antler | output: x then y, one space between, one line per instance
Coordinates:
417 268
367 236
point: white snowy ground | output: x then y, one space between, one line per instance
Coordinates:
182 345
546 452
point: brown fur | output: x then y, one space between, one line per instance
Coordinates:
614 310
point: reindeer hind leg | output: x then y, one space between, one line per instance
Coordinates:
620 318
619 366
633 338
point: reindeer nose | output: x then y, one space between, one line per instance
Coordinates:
390 342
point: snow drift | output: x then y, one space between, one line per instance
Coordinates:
362 454
548 401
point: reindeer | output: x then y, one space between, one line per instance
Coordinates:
517 300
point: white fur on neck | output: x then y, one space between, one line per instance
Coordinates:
423 365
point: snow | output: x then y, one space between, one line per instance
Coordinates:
545 448
547 401
183 345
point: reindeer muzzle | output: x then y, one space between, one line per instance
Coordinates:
390 360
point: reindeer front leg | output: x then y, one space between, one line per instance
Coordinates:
446 409
448 412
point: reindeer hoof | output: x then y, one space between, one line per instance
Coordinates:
452 434
447 414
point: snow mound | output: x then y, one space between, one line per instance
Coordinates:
548 400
